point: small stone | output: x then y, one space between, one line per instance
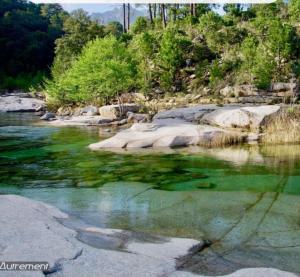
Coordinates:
48 116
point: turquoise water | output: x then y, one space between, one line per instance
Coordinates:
240 196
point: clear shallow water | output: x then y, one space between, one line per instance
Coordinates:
245 200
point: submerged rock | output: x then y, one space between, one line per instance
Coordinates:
45 239
21 102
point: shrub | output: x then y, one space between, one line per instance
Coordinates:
104 70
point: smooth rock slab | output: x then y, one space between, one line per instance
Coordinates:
81 120
20 103
30 232
143 135
190 114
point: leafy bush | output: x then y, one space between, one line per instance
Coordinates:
103 71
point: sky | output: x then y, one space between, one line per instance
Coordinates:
91 8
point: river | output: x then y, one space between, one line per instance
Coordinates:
245 201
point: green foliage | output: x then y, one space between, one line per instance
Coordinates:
210 26
144 46
294 10
27 35
23 81
114 28
257 44
104 69
171 55
79 29
263 68
141 25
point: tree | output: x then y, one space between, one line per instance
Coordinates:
141 25
79 29
104 69
248 50
114 28
144 45
27 35
171 55
263 68
124 17
294 10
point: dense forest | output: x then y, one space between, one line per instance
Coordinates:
176 48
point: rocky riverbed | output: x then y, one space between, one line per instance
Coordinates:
208 125
33 231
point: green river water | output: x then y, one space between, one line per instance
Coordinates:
244 200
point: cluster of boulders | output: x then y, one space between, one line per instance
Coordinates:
109 115
209 125
277 93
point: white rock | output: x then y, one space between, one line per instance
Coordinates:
117 111
143 135
19 103
240 117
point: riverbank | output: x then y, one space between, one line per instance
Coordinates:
89 250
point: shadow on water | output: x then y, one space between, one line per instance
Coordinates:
244 200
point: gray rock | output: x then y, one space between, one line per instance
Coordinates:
165 134
48 116
137 117
82 120
283 86
249 118
45 239
89 111
20 103
190 114
117 111
105 121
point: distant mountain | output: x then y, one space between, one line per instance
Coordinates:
117 15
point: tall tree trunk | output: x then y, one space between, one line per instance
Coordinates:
128 17
174 10
154 10
150 13
194 9
124 18
163 15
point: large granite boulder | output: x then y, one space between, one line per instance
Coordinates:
168 133
118 111
249 118
21 102
89 111
280 86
